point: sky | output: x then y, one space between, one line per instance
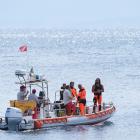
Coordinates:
69 13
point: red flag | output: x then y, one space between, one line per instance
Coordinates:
23 48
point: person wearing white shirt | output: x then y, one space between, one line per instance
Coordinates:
21 95
33 97
67 99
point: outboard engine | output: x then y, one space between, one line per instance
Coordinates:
13 117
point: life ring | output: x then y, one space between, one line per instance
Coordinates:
38 124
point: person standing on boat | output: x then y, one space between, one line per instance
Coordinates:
73 91
62 91
97 90
67 98
33 97
21 95
82 99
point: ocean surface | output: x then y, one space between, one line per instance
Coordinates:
80 56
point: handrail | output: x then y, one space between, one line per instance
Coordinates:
56 93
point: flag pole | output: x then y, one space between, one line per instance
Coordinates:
27 58
24 48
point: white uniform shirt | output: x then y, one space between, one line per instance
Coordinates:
67 96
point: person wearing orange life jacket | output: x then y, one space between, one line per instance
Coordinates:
97 90
82 99
73 90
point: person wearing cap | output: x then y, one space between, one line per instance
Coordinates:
21 95
33 97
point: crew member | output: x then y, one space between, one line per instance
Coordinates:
21 95
67 98
33 97
97 90
62 91
82 99
73 90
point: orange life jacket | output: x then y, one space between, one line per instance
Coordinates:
74 92
82 100
82 94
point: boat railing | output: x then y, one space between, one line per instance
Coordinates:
56 95
60 112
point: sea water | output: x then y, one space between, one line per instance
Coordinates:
80 56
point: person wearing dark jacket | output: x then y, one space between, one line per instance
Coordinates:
62 90
97 90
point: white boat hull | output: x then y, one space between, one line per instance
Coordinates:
32 124
87 119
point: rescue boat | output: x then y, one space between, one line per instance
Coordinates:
23 115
